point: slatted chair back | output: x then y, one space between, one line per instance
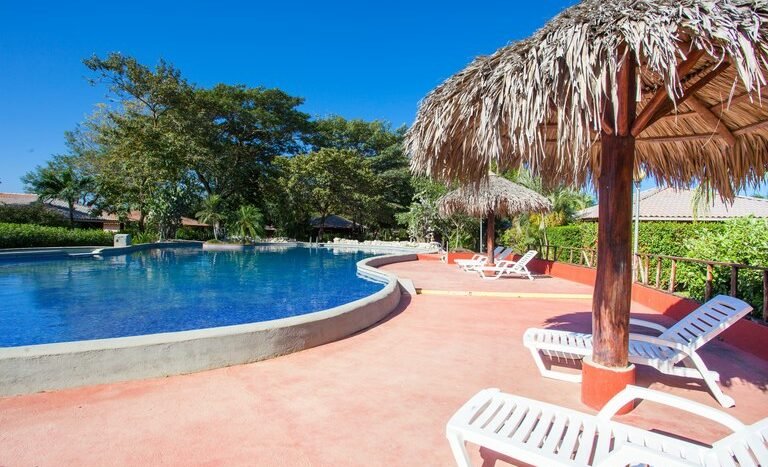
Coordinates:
706 322
520 264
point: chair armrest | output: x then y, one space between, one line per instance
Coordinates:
647 324
630 393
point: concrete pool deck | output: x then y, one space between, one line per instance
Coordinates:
381 397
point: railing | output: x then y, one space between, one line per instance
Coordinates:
661 271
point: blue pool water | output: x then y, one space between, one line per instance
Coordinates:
172 289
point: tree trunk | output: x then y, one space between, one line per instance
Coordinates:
490 234
321 229
613 285
71 214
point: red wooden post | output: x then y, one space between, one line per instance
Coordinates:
490 234
609 372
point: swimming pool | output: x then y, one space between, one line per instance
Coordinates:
171 289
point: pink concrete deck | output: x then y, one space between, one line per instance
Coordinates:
381 397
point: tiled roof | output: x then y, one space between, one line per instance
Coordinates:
81 213
668 204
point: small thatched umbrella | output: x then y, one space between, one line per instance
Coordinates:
494 196
672 87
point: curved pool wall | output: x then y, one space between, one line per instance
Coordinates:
44 367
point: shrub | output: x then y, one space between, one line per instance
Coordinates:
31 214
191 233
29 235
743 241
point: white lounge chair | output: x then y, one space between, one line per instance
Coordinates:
470 265
544 434
673 352
478 257
508 268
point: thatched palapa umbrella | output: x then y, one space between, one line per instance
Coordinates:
671 87
493 197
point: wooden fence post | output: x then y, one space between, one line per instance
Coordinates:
708 288
658 272
734 280
672 274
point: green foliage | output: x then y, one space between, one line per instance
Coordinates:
35 213
425 224
248 223
741 241
166 209
533 229
333 181
145 237
382 146
663 238
212 213
59 180
194 233
28 236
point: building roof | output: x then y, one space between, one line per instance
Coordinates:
81 213
333 222
668 204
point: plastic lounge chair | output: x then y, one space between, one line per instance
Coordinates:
478 257
673 352
471 266
544 434
508 268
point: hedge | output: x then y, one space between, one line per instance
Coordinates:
35 213
661 238
29 235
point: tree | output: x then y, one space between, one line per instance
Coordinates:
59 180
166 208
236 134
138 145
248 223
212 212
382 146
332 181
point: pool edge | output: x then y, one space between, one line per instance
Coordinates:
47 367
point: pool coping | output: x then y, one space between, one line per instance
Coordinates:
46 367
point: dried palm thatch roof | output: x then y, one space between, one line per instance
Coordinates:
495 194
541 101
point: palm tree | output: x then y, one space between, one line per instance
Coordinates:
212 213
248 223
566 203
65 184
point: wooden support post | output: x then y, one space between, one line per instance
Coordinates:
613 286
490 235
734 280
708 286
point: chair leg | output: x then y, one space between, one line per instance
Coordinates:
711 381
547 373
459 449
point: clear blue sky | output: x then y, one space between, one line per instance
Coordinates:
352 58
